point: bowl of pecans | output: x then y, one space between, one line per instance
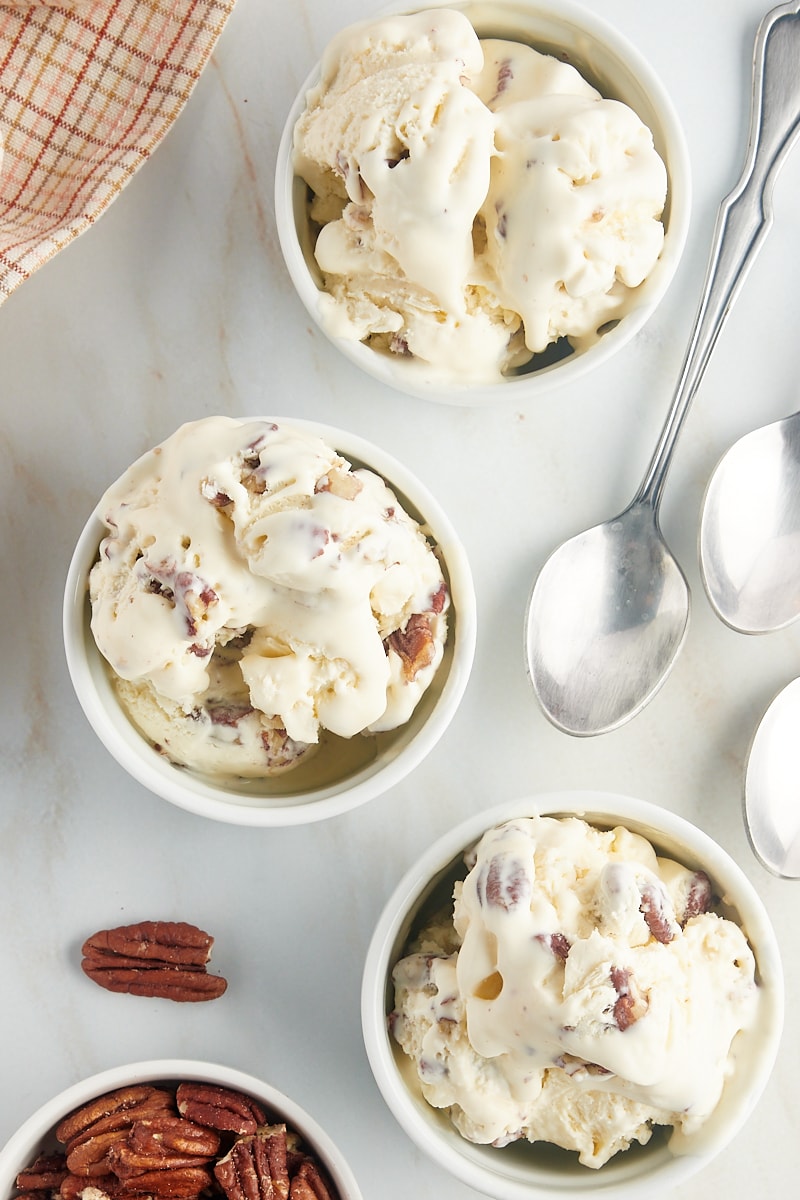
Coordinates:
172 1129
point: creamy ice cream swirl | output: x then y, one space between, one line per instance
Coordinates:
584 992
477 200
253 589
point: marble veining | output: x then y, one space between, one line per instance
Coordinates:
177 304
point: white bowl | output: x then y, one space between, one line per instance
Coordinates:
36 1135
610 62
522 1171
327 785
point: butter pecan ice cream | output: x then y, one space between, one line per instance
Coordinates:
581 992
476 201
255 589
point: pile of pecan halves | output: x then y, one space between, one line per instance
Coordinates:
175 1142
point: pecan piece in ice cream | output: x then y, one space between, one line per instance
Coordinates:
165 959
505 884
698 898
163 983
655 910
629 1005
414 644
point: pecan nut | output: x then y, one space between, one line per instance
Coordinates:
307 1183
173 1135
176 1183
115 1110
174 1142
126 1162
44 1175
557 943
699 898
173 942
219 1108
506 883
414 644
74 1186
255 1167
91 1156
164 959
162 1143
149 1151
653 908
112 1107
629 1005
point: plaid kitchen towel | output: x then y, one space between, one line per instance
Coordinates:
88 88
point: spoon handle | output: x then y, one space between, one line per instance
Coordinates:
744 217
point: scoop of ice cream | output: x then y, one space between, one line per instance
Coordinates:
223 734
585 992
391 128
577 190
397 152
477 200
254 588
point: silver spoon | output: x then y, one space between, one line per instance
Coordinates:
772 786
609 610
750 530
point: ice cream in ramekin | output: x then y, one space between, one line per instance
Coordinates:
476 202
268 621
578 991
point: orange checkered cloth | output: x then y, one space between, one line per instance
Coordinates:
88 88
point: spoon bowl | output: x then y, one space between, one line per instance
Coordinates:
750 530
771 793
609 610
606 620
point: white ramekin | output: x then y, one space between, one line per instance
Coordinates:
521 1172
322 788
36 1134
619 71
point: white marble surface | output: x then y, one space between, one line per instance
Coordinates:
177 305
